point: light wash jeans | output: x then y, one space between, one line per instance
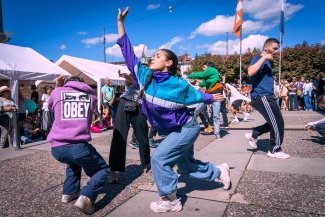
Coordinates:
216 114
308 102
178 149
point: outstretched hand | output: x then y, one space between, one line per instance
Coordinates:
121 16
218 97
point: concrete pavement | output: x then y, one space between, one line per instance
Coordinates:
31 180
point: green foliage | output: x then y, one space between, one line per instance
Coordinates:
300 60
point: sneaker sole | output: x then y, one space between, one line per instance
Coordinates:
226 167
177 208
79 206
133 146
269 155
250 142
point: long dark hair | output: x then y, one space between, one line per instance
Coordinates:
211 64
170 55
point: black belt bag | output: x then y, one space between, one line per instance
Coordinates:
129 106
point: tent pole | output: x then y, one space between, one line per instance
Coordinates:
14 95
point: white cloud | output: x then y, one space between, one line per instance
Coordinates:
251 41
182 48
153 7
82 33
323 42
109 39
63 47
169 45
87 46
115 51
222 24
268 9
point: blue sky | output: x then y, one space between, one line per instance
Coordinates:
74 27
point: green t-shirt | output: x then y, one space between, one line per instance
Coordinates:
109 91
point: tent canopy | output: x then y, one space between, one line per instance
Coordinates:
92 71
23 63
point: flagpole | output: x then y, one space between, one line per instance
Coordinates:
280 58
240 62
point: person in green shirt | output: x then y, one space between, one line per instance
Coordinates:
211 82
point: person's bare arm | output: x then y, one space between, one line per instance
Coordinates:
104 95
120 19
253 69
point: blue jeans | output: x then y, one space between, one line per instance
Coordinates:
111 110
27 140
216 114
80 156
178 149
308 102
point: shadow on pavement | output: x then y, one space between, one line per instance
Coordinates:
132 172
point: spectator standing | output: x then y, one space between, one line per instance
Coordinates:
284 93
318 89
47 115
108 97
293 87
245 90
307 93
21 107
300 95
35 95
7 106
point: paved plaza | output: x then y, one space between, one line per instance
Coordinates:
31 179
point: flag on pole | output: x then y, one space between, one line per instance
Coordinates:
282 21
238 19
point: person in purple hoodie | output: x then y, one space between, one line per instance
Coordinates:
164 102
73 103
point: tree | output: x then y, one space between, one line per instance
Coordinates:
300 60
5 36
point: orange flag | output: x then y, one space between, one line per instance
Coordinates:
238 19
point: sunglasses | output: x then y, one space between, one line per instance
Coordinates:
29 119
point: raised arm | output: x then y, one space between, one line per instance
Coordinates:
139 72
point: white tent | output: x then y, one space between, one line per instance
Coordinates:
93 72
23 63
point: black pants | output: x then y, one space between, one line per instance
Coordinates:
152 133
123 120
268 107
223 111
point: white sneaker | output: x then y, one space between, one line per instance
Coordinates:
165 205
224 176
235 121
251 140
246 116
278 154
218 137
84 205
67 198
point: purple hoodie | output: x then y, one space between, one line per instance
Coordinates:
73 106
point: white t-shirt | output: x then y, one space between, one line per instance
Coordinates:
45 99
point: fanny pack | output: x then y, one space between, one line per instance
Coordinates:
129 105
